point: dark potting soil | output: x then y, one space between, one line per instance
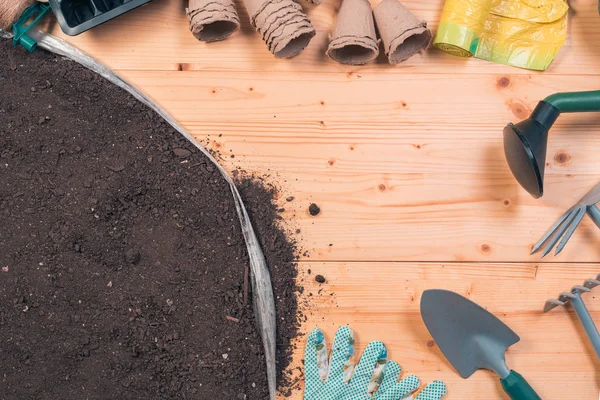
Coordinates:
122 260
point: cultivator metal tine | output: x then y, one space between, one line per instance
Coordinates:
552 231
566 296
573 226
592 283
559 233
580 289
577 303
552 304
576 290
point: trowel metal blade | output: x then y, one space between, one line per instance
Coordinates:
470 337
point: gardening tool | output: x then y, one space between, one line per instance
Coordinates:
566 225
574 297
471 338
525 143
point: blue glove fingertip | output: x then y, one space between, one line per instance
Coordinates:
315 336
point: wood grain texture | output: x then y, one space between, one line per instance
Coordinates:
437 190
407 166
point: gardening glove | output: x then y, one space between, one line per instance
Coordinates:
338 379
325 378
377 378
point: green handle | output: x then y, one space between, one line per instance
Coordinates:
517 387
575 101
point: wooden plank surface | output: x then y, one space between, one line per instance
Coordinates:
379 168
407 166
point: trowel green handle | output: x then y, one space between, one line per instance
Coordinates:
570 102
517 387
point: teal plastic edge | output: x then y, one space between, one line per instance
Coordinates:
35 13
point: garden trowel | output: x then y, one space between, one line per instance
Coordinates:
471 338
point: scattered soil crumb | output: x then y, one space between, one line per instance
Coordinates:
314 209
320 278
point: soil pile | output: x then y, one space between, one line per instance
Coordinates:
122 261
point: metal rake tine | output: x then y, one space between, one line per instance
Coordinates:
551 231
566 296
591 283
552 304
572 227
559 233
580 289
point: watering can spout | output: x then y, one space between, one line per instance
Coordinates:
525 147
525 143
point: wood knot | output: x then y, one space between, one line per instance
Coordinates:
417 146
331 162
251 89
351 147
485 248
503 82
322 102
519 109
506 203
382 187
562 158
430 343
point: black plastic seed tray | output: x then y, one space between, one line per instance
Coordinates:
77 16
